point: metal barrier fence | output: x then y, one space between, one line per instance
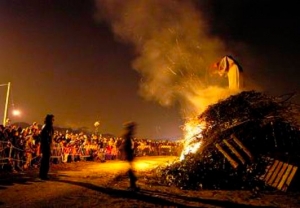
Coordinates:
10 154
168 150
19 158
65 154
5 152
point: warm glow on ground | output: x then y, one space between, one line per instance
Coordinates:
119 166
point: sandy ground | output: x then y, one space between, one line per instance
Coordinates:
95 184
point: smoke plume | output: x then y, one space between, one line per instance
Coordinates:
173 49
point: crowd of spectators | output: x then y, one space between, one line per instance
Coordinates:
20 147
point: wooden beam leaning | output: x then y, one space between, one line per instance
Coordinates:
239 156
233 163
240 144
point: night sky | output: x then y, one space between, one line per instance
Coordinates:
116 61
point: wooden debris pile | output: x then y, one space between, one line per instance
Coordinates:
243 136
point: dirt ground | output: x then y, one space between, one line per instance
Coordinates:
95 184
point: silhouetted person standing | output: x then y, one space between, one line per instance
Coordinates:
128 149
46 141
229 67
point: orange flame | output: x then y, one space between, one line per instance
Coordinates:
192 137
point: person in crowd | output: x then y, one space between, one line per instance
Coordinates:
46 135
129 153
29 149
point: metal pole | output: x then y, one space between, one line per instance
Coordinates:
6 104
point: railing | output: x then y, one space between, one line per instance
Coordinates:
10 154
19 158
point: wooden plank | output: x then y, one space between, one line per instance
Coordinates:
280 174
234 151
285 176
242 146
227 156
262 177
271 180
268 167
275 164
290 178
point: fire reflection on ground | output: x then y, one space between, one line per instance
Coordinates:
94 184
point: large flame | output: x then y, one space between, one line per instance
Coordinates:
192 137
199 100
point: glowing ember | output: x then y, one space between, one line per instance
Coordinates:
192 137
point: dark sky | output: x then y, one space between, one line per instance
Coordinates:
60 59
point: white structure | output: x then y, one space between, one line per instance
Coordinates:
228 66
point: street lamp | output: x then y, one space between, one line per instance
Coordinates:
16 112
6 102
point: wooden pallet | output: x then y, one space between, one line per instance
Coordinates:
233 150
280 175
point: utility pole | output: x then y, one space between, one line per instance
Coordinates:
6 104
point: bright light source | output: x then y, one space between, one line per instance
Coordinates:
16 112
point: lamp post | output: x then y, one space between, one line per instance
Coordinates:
6 102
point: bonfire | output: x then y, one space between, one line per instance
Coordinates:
233 142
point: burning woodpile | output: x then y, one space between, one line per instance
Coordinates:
239 140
